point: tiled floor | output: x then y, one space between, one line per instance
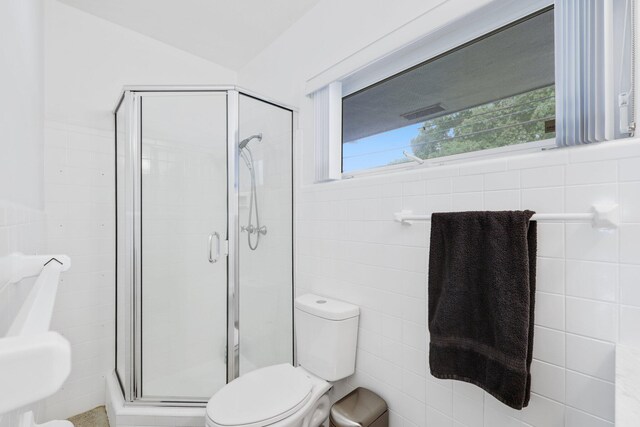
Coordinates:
97 417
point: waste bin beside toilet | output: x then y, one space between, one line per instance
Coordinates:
360 408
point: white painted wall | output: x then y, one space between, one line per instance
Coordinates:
337 32
336 38
21 147
22 102
348 246
87 61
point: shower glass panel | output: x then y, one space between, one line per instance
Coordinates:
184 217
204 262
265 216
124 257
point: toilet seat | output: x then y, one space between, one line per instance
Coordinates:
261 397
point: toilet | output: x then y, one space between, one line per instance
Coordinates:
287 396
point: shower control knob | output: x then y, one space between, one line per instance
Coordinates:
252 229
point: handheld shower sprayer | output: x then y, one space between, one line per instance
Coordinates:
242 144
251 229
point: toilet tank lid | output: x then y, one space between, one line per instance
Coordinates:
326 308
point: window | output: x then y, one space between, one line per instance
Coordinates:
492 92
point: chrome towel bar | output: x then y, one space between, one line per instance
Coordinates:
604 217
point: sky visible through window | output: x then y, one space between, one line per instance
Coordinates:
517 119
381 149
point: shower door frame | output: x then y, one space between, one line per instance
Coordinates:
131 98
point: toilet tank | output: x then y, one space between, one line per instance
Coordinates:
326 336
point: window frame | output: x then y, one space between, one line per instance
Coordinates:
453 39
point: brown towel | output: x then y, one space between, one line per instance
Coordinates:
481 297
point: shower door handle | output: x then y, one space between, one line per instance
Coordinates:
213 259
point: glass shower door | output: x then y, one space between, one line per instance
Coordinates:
183 291
265 215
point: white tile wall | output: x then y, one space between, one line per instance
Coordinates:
79 206
588 280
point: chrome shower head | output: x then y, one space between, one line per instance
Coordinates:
245 141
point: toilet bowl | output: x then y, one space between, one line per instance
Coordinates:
287 396
276 396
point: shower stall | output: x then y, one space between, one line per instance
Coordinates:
204 240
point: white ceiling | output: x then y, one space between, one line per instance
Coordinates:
227 32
